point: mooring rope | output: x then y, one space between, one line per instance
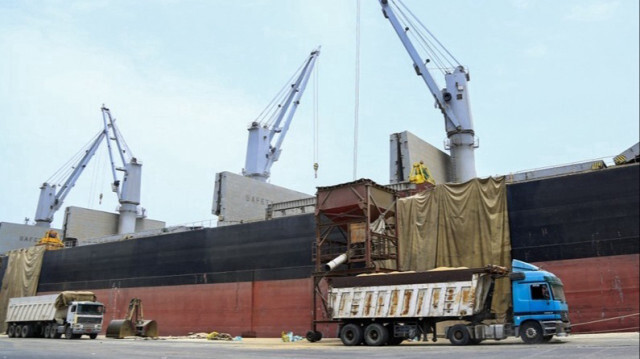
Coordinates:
604 320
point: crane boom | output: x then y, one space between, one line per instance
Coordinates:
453 101
51 199
261 153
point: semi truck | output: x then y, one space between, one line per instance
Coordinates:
386 309
71 313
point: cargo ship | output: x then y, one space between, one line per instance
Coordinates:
254 279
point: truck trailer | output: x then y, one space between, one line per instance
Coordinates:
386 309
70 313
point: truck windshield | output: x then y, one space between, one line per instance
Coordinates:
558 292
90 309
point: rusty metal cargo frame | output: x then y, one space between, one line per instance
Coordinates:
337 208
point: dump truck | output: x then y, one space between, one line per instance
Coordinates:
386 309
70 313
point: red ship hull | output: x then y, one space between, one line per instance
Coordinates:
602 293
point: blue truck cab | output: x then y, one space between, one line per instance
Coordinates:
540 309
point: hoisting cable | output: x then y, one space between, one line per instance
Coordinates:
271 111
276 105
103 175
126 149
263 116
434 54
357 94
315 119
429 32
94 180
66 169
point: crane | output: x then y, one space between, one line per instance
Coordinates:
274 121
52 196
453 100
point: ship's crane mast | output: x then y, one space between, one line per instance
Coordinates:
52 196
453 100
274 121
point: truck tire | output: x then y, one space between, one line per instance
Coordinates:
376 334
18 331
68 333
55 334
27 331
459 335
93 336
531 333
11 331
395 340
47 331
351 334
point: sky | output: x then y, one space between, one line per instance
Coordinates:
552 82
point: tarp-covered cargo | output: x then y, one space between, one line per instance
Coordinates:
456 225
67 297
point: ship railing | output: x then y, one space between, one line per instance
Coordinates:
560 170
190 226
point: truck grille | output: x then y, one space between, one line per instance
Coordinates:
89 320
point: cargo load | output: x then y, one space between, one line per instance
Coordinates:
49 316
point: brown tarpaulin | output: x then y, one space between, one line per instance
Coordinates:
458 225
20 278
67 297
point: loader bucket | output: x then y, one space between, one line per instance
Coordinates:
120 328
147 328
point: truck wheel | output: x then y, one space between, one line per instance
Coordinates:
11 331
47 331
18 331
395 340
459 335
93 336
351 334
54 331
531 333
68 333
27 331
376 334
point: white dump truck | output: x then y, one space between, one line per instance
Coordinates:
70 313
389 308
